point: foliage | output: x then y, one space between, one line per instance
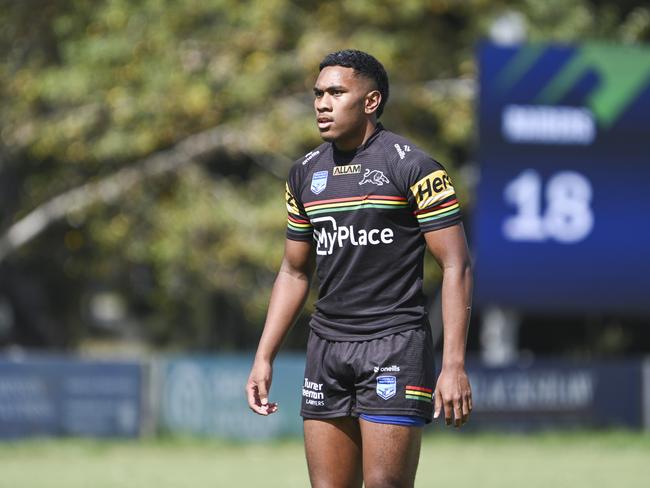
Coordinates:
91 87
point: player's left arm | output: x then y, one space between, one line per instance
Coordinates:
453 392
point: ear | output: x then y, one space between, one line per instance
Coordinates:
372 101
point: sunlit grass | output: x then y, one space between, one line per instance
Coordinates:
575 460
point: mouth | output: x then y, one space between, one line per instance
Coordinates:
324 122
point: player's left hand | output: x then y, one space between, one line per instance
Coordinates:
454 394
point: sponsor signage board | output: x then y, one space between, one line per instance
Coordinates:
561 218
59 396
558 394
206 396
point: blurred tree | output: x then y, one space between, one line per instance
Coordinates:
92 89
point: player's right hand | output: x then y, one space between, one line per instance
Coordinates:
257 388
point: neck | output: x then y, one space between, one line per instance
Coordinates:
357 140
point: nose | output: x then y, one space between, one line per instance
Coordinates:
322 104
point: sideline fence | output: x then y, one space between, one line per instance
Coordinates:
200 395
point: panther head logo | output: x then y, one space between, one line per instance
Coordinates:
375 177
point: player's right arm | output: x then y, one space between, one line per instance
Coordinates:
287 299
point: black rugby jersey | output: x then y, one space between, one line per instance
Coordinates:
366 211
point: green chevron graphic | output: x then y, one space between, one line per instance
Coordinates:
519 66
623 71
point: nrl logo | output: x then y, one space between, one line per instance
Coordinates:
375 177
318 182
386 386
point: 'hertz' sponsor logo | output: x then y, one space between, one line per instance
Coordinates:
292 205
328 238
432 188
350 169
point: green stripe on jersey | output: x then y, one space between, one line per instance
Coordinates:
422 399
436 217
299 229
355 207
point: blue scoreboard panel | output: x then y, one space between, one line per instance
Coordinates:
562 217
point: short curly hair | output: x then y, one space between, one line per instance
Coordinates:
363 64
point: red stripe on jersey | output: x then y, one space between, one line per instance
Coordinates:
356 199
298 221
429 209
419 388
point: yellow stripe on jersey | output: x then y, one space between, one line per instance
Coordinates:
296 224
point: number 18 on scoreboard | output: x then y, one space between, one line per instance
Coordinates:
562 218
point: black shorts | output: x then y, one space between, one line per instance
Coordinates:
392 375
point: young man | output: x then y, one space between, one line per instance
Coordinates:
368 202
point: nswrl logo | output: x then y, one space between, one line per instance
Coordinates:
318 182
386 386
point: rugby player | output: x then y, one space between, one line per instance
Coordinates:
367 203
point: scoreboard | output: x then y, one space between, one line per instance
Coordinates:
562 216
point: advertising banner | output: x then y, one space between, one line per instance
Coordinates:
206 396
558 394
58 396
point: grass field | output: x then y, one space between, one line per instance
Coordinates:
576 460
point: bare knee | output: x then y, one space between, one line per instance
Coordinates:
327 483
379 478
333 479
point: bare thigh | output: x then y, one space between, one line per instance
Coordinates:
333 450
390 454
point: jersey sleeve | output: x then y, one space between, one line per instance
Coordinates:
299 227
431 195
